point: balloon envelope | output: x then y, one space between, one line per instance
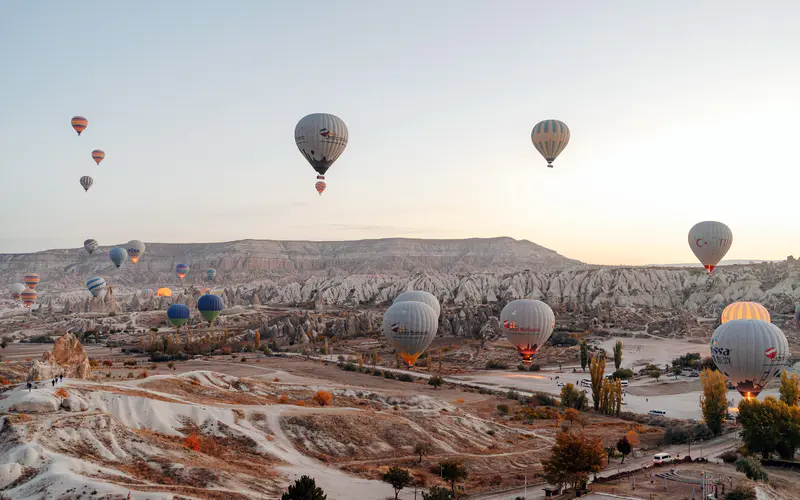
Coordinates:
86 182
320 186
96 285
527 324
710 241
79 123
118 255
16 289
410 326
211 274
210 306
164 292
550 137
181 269
420 296
98 155
29 296
321 138
135 250
744 310
178 314
749 352
90 245
31 280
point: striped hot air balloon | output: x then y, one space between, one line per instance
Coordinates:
118 255
164 292
550 137
86 182
29 297
744 310
210 306
96 285
79 123
90 245
320 186
98 155
178 314
31 280
182 270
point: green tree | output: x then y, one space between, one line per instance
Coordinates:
714 400
770 426
624 447
584 354
742 492
790 388
572 458
752 469
304 488
421 449
655 373
618 354
597 367
574 398
453 471
437 493
398 478
676 370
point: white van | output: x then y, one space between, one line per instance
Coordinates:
662 458
586 382
657 413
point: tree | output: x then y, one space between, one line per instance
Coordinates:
790 388
714 400
675 371
62 393
257 340
422 448
572 415
574 398
742 492
624 447
584 354
453 471
323 398
572 458
398 478
437 493
597 367
752 469
655 373
618 354
304 488
633 438
770 426
436 381
3 344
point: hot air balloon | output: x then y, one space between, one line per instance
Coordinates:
321 138
118 255
797 315
749 352
218 293
178 314
164 292
146 292
181 269
79 123
90 245
210 306
420 296
98 155
86 182
710 241
135 250
96 285
410 326
31 280
320 186
16 289
205 290
29 297
550 137
744 310
211 274
527 324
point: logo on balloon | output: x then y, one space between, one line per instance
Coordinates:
771 353
510 324
325 133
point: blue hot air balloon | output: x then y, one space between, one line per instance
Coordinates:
211 273
797 315
210 306
181 269
118 255
178 314
96 285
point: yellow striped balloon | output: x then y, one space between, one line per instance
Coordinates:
745 310
550 137
98 155
79 123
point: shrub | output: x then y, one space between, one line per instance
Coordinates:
752 469
131 375
729 456
542 399
194 381
676 435
93 363
701 432
535 368
4 381
377 373
171 365
622 374
494 364
144 374
350 367
243 360
323 398
503 409
742 492
300 403
513 395
389 375
435 381
129 362
108 362
192 442
283 399
405 377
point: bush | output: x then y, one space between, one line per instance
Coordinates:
622 374
129 362
144 374
701 432
323 398
377 373
752 469
350 367
108 362
742 492
283 399
574 398
389 375
676 435
535 368
729 456
436 381
542 399
503 409
494 364
192 442
562 338
93 363
161 358
243 360
405 377
687 360
513 395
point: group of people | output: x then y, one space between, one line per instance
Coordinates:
56 379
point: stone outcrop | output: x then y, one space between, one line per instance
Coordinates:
67 358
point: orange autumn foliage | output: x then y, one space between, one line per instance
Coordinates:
192 442
323 398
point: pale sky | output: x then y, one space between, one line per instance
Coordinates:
680 111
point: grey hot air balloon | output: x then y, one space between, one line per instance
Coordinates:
135 250
86 182
90 245
410 327
710 241
749 352
420 296
118 255
527 324
321 138
16 289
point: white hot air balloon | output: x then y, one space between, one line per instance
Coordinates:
420 296
135 250
527 324
410 327
90 245
16 289
749 352
321 138
86 182
710 241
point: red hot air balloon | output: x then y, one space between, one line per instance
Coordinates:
320 186
79 123
98 155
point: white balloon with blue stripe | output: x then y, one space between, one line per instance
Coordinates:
96 285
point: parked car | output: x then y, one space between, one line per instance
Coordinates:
657 413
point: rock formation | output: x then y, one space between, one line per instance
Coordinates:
67 358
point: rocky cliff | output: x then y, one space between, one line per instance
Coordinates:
67 358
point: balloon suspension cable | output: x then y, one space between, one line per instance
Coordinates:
549 164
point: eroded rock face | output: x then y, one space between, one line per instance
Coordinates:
67 358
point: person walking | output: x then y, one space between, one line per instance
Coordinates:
61 377
30 386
